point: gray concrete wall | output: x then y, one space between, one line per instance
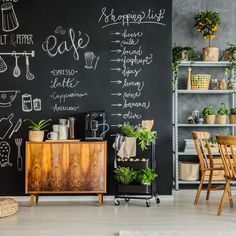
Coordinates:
184 34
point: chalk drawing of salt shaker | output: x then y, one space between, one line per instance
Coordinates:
9 20
26 102
37 104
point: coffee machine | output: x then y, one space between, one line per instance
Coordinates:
95 125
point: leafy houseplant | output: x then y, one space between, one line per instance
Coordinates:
230 52
209 115
222 114
207 22
36 133
125 175
232 116
182 53
146 176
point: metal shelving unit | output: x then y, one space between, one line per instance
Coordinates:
177 125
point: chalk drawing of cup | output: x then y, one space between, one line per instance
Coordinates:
89 58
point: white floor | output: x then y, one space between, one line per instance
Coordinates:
85 218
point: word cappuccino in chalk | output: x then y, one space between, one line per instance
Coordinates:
109 17
74 42
64 96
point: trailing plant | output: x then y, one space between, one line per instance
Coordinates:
232 51
223 110
177 53
207 111
233 111
146 176
125 175
207 22
41 125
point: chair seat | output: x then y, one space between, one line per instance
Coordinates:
8 206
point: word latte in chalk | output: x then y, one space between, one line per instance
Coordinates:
64 83
110 17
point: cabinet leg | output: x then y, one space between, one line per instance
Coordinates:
100 199
32 200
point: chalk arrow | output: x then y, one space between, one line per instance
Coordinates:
116 69
115 33
118 125
116 105
116 94
115 41
116 50
116 81
117 114
116 60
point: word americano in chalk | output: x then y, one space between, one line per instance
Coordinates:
109 17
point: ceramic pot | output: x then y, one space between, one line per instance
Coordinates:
232 119
221 119
36 135
210 119
211 54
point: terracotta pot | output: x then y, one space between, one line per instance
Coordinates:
228 55
221 119
232 119
210 119
36 135
210 54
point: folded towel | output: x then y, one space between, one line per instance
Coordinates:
127 148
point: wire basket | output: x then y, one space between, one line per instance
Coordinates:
8 207
200 81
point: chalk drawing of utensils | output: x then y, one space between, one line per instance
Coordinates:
3 65
18 142
5 126
16 127
16 71
5 151
29 75
9 19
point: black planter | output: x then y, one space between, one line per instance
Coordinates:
136 165
133 189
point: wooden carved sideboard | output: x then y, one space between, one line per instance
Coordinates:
65 168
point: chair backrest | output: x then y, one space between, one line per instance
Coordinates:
203 149
227 146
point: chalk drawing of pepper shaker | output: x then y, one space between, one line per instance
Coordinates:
9 19
27 103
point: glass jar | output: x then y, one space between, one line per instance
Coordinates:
214 84
222 84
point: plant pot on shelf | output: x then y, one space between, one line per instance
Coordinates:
210 119
36 135
232 119
221 119
211 54
229 55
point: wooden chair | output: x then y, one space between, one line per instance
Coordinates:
227 146
205 157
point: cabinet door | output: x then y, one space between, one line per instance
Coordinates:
87 167
46 167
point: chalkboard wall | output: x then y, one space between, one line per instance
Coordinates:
64 58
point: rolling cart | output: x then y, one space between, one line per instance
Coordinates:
137 191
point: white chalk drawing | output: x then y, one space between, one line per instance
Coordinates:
29 75
9 19
37 104
16 127
89 59
3 65
29 104
7 97
5 125
60 30
5 151
16 71
18 142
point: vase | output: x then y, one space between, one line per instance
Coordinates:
210 119
221 119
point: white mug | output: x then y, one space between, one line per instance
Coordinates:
55 128
63 132
52 135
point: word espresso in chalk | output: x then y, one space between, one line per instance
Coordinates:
74 42
63 97
110 18
65 72
64 83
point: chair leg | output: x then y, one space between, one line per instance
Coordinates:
230 197
209 185
199 188
222 201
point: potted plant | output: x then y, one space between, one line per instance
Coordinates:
232 116
146 176
36 133
182 53
207 22
125 175
209 115
222 114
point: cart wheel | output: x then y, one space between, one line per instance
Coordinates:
157 200
117 202
148 204
127 199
